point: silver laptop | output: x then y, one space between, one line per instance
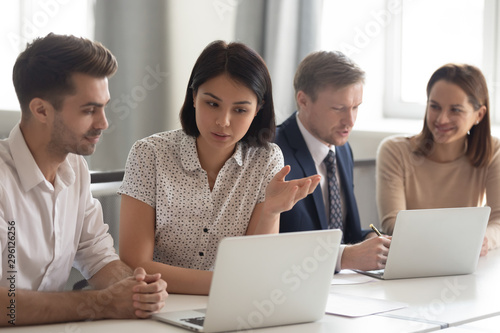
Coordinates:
435 242
266 280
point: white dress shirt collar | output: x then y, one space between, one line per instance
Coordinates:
29 173
317 148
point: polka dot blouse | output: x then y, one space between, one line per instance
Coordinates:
164 171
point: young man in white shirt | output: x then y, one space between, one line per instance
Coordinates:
48 218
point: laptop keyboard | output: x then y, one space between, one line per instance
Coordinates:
195 320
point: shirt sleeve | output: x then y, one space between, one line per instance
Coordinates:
95 249
139 181
276 163
338 265
493 198
390 189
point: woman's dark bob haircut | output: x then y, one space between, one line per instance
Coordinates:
246 67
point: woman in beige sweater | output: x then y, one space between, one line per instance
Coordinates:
453 162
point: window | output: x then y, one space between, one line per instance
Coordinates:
401 43
23 20
427 35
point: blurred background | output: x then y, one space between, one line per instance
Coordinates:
399 43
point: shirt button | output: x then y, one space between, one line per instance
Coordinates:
201 254
205 229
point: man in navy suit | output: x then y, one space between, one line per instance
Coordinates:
328 90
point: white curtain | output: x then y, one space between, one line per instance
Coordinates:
283 32
292 32
135 32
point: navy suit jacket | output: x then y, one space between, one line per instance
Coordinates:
309 213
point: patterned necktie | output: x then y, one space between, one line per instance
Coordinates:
335 221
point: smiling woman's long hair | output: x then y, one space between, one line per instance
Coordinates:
472 82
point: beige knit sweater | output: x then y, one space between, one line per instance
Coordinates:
409 181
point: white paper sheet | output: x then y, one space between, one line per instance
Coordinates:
346 276
358 306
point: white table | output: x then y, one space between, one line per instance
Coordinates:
446 301
488 325
466 302
182 302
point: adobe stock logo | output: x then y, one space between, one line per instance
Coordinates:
363 36
451 292
293 277
30 28
123 106
222 7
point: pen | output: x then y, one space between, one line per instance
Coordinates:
375 229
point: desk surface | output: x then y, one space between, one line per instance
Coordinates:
446 301
466 302
488 325
181 302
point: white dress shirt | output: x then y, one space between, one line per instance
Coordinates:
45 229
318 152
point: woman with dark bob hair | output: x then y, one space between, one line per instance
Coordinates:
218 176
453 162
